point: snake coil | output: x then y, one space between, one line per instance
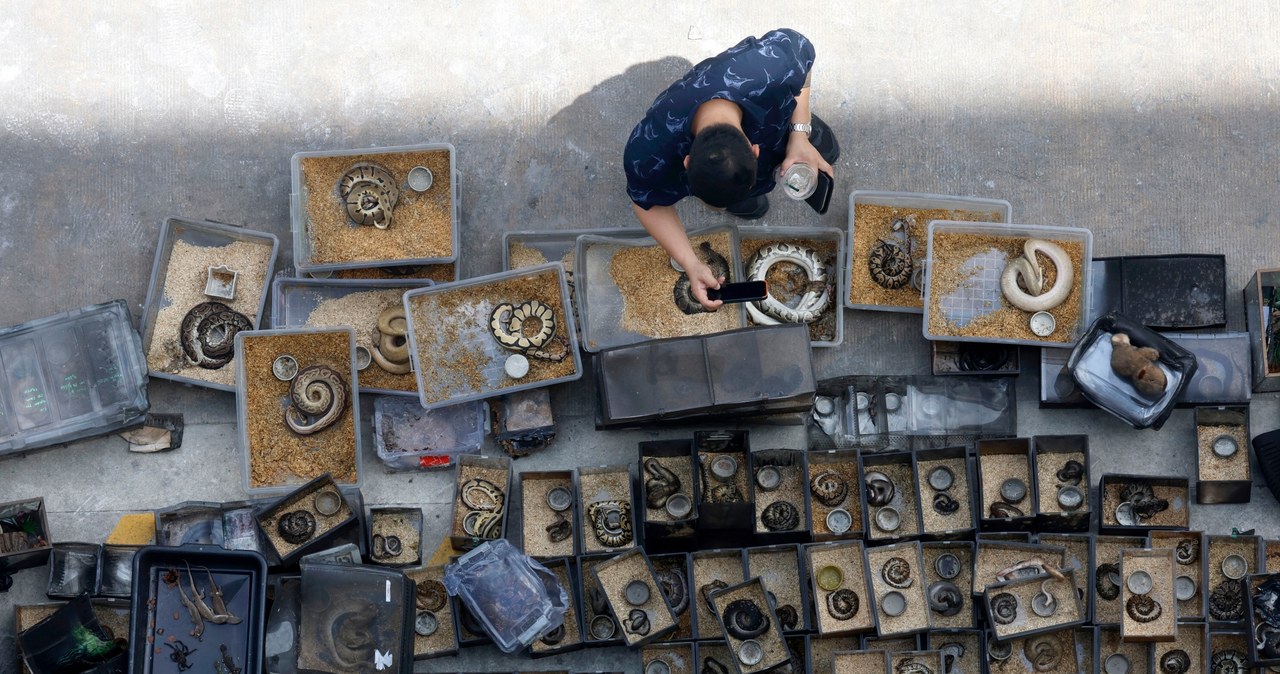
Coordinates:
817 296
1027 269
370 195
319 398
208 334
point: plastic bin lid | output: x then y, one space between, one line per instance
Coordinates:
530 597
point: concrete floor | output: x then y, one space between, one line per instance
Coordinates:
1152 124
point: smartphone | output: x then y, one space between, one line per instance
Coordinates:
820 200
745 291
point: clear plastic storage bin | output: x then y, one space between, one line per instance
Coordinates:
302 246
980 295
294 301
202 234
558 245
906 201
467 362
601 302
515 599
70 376
242 409
833 314
407 437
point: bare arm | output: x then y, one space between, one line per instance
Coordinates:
799 149
663 224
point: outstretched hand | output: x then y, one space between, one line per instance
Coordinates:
700 279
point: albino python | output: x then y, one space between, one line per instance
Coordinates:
391 341
1027 269
318 396
370 194
817 296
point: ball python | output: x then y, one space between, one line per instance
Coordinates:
683 289
391 341
611 522
1142 608
897 573
843 604
1027 269
507 322
817 296
780 516
208 334
829 488
370 194
319 397
661 486
1004 608
891 262
744 620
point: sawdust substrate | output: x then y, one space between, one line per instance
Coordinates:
360 311
715 650
679 657
537 516
452 329
1170 517
780 571
572 635
615 574
822 652
1077 559
993 557
1107 551
444 641
847 469
1190 638
421 222
269 521
1193 608
645 279
1007 322
277 455
611 485
682 466
1157 566
775 649
931 552
1214 467
684 621
1273 557
870 224
520 256
934 521
1026 620
1110 643
1221 547
467 472
589 586
184 281
904 500
1047 465
739 478
1018 662
971 660
788 281
403 526
848 558
858 662
707 567
995 469
791 490
891 645
916 617
440 273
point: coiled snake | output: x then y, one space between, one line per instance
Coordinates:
318 396
817 296
370 194
1027 269
507 323
683 290
391 341
208 334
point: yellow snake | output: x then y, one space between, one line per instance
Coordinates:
391 341
1027 268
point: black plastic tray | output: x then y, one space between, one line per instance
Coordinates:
242 576
1105 388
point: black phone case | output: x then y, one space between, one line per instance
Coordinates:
820 200
737 292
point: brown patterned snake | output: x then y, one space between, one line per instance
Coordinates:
320 392
208 334
370 194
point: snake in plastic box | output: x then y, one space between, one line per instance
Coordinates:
817 295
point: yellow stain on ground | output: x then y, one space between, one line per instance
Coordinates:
134 529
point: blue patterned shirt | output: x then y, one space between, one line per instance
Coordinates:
763 76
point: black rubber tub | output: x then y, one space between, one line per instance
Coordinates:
162 632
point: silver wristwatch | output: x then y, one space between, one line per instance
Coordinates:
806 129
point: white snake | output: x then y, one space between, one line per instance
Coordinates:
1028 269
770 311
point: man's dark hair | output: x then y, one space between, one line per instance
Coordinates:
722 167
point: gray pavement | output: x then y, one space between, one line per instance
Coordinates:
1152 124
